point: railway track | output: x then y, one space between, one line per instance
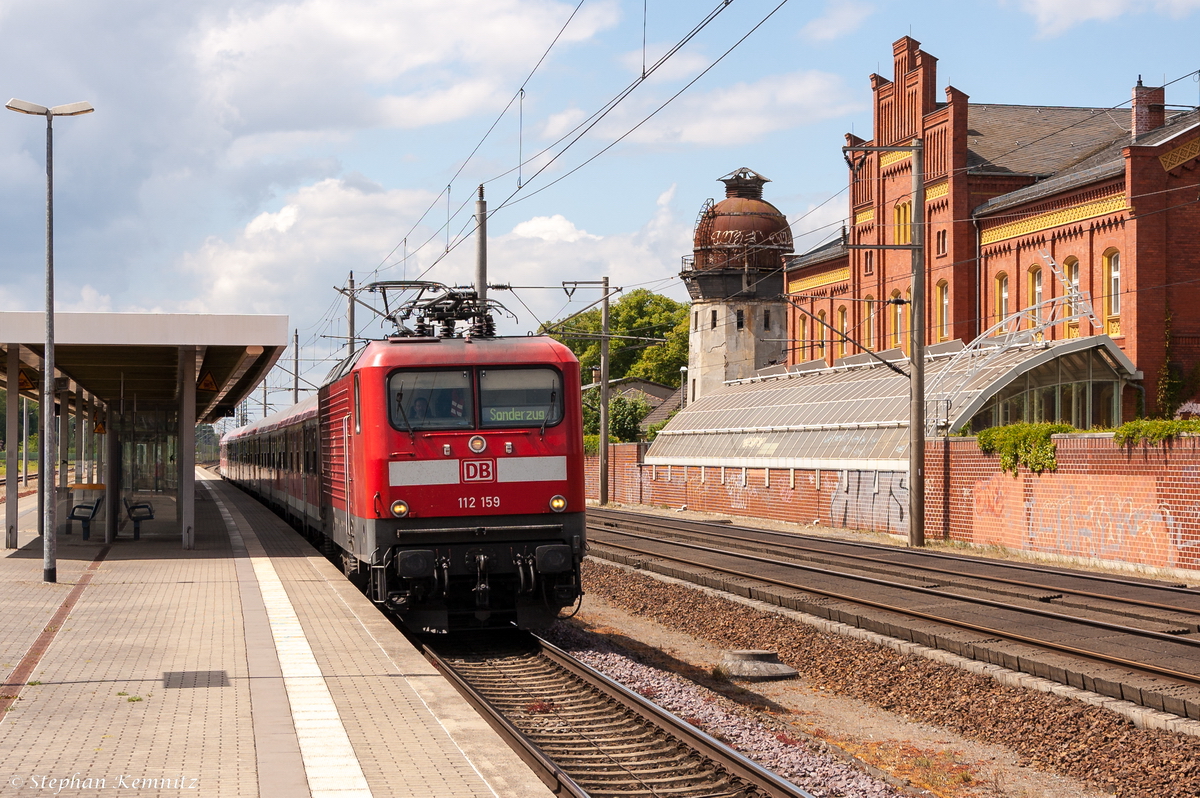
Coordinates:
1131 639
586 735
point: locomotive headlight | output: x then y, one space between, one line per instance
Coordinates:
558 504
399 508
477 444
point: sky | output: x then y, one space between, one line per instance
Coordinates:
247 157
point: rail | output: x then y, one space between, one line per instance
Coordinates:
537 675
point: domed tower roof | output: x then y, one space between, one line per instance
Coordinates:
742 231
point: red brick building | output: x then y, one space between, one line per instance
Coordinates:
1112 198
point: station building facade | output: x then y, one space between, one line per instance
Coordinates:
1020 201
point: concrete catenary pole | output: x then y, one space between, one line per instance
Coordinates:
350 316
604 393
295 366
916 425
481 248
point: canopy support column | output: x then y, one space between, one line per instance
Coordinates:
187 445
10 448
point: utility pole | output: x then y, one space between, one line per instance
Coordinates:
604 393
916 350
296 366
916 384
264 398
481 249
349 320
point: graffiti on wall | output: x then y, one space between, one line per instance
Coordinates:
871 500
1119 518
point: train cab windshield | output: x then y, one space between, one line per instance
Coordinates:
432 400
519 398
445 399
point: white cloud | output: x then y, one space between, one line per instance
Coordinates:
335 64
285 262
1056 16
746 111
839 19
552 228
90 301
279 222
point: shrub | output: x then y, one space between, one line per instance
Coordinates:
1153 431
1028 445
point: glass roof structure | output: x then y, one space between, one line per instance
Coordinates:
854 416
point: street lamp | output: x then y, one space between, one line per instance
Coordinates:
46 444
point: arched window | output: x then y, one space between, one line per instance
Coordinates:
1112 291
802 337
1071 268
942 298
1002 306
841 327
821 330
1035 290
897 314
902 219
869 322
907 319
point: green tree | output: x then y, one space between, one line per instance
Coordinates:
638 313
624 416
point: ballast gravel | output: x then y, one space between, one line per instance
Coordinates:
1047 732
794 759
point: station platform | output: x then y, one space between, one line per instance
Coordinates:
247 666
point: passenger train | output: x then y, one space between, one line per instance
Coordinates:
445 469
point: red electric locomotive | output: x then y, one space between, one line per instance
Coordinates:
447 470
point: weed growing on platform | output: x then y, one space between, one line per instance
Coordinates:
133 698
34 683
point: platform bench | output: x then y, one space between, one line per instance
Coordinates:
138 512
85 513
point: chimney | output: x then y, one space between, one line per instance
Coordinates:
1149 111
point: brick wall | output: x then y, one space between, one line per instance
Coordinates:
1137 505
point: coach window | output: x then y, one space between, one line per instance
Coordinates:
431 400
519 398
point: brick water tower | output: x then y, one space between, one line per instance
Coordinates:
735 278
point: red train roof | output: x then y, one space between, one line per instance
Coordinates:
417 352
461 351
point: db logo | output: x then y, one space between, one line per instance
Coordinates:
478 470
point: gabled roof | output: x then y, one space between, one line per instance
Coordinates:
1106 163
831 250
1038 140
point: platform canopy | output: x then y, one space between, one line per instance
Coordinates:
854 416
136 357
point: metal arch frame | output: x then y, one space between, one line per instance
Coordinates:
1119 362
1022 328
